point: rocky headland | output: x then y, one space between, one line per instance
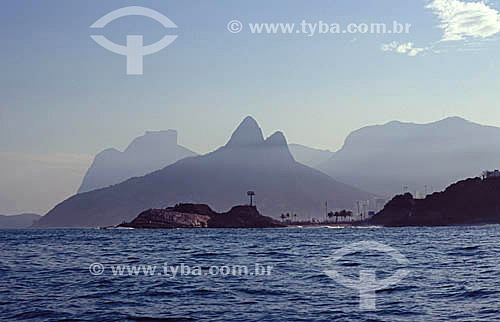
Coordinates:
469 202
201 216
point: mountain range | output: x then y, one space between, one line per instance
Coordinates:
150 152
220 179
388 159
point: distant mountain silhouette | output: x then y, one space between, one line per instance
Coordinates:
150 152
385 158
18 221
309 156
221 179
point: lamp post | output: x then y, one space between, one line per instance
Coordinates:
251 194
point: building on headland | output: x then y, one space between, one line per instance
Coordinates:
490 174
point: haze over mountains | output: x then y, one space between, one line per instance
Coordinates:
219 179
309 156
385 158
150 152
18 221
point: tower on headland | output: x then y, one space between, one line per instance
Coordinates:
251 194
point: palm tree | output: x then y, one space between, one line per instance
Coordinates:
344 215
337 215
330 214
349 214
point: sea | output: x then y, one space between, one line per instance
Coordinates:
392 274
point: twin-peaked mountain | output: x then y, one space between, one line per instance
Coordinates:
220 179
150 152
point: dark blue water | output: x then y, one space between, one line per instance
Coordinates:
45 275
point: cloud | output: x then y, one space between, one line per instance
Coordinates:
461 20
403 48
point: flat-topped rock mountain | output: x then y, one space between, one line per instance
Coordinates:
201 216
221 178
422 157
152 151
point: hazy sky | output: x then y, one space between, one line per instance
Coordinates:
64 95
